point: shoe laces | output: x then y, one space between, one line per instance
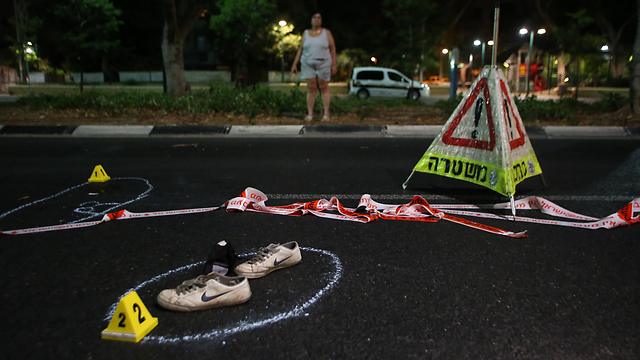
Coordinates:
193 284
264 253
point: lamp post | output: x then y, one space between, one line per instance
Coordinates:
478 43
522 32
444 52
282 24
26 61
605 48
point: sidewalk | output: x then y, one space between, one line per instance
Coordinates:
407 131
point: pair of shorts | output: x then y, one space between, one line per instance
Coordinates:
310 68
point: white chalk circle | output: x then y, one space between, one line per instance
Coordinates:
298 308
85 209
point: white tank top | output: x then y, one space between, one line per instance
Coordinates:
316 47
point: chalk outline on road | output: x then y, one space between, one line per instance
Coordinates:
82 208
298 309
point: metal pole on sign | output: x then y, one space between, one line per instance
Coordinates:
496 21
529 60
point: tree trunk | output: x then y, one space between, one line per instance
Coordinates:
172 54
180 17
562 71
634 90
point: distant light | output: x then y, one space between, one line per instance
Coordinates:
604 48
403 56
542 31
471 58
506 64
373 59
477 42
29 43
566 79
282 23
490 42
445 51
523 31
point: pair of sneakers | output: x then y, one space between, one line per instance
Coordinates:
220 286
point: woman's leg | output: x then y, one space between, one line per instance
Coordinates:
326 97
312 89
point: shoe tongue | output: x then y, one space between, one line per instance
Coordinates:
213 277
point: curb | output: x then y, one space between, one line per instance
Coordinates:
428 131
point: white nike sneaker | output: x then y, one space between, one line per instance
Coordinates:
271 258
206 292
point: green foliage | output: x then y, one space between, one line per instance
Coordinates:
351 58
25 25
414 21
243 28
448 106
90 28
610 101
255 100
250 101
532 109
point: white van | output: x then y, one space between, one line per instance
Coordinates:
384 82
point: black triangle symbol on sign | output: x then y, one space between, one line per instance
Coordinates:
508 111
447 137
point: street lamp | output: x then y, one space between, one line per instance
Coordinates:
522 32
444 52
605 48
478 43
374 60
28 51
282 24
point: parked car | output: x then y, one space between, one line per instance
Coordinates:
384 82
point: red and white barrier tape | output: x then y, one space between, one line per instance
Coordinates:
417 210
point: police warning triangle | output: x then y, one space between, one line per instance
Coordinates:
484 140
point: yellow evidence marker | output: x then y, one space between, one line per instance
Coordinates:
99 175
131 321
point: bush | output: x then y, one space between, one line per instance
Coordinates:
249 101
532 109
252 101
610 102
448 106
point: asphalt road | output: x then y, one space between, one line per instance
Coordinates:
383 290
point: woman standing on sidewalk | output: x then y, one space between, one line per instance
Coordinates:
317 56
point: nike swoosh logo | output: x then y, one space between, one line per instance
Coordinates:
276 262
206 298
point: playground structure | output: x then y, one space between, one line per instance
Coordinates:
516 72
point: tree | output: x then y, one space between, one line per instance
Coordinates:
576 39
610 20
283 35
612 23
26 27
349 59
180 17
91 29
245 29
411 32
